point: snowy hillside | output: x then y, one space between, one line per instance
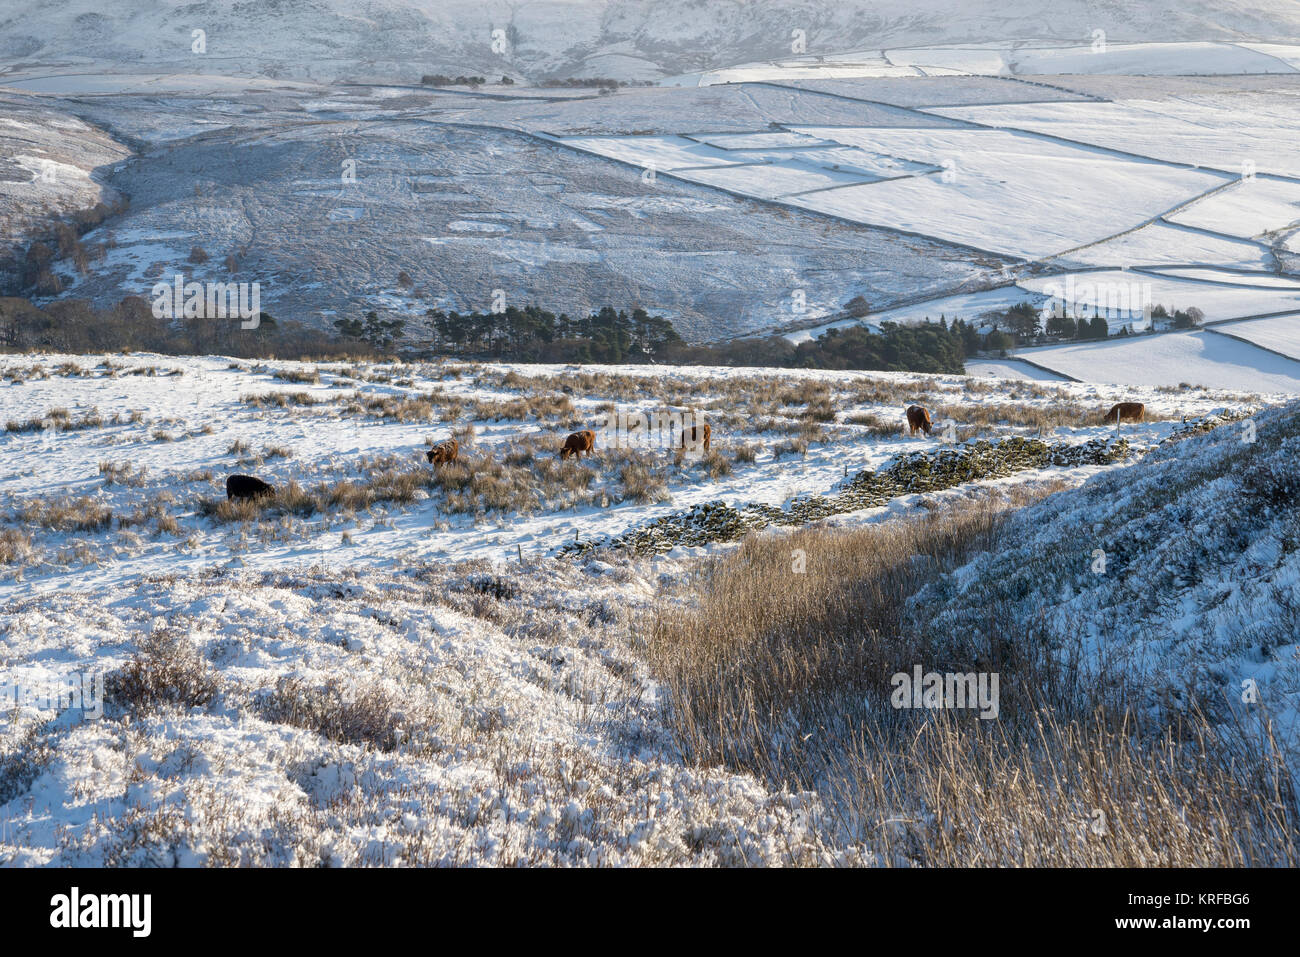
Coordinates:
154 437
48 162
325 541
389 677
628 39
732 210
1198 590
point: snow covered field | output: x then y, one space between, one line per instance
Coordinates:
178 426
1200 130
1039 59
389 683
1281 333
1219 295
1007 193
1011 369
1170 359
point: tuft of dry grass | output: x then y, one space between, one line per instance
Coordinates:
714 463
280 400
66 514
401 408
1019 414
298 376
15 547
545 407
123 473
641 483
796 446
874 425
58 420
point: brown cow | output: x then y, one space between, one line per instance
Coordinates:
1126 412
444 452
918 417
577 443
692 435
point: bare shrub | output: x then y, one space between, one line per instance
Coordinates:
15 547
165 670
368 715
23 763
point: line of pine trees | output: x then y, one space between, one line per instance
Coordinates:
76 325
533 334
528 334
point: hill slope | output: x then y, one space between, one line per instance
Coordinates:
325 39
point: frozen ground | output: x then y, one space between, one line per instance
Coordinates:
391 685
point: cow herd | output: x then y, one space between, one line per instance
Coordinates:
583 443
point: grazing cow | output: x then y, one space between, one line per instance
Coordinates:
578 443
245 486
1126 412
691 436
918 417
444 452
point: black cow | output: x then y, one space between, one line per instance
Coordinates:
245 486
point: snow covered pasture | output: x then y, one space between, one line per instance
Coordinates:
366 672
1278 334
151 439
1201 358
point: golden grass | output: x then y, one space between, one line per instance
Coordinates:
784 673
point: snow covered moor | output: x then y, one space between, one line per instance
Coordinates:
599 433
